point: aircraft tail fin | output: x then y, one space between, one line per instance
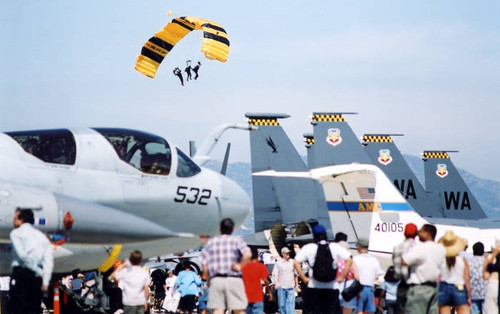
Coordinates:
442 177
276 199
385 154
309 143
334 141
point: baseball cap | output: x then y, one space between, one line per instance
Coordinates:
362 242
411 230
318 229
285 250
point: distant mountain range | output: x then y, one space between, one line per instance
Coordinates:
487 192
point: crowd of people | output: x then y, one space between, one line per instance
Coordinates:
427 276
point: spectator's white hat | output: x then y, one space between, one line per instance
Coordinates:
285 250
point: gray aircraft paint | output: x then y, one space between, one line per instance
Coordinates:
442 177
344 149
309 143
392 163
281 200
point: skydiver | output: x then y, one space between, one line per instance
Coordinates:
178 72
188 70
195 70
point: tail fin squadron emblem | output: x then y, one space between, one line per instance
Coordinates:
384 157
442 170
334 137
271 144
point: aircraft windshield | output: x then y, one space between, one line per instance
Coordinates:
146 152
186 167
53 146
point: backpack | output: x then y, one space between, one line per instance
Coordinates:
323 270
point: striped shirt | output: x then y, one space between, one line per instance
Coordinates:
221 253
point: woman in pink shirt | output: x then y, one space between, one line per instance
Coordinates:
347 306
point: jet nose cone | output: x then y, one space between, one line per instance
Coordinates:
235 202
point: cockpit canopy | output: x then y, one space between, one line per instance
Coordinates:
53 146
147 152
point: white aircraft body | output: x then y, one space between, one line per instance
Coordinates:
375 208
108 191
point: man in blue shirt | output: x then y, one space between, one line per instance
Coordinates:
32 264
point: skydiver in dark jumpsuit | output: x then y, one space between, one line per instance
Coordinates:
195 70
178 72
188 70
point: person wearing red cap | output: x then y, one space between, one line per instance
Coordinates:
425 260
410 232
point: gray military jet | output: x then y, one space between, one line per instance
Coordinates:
101 192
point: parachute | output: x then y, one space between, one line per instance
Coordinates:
215 43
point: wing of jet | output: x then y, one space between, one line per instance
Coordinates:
279 200
384 153
442 177
83 256
103 192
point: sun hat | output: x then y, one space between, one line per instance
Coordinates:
452 243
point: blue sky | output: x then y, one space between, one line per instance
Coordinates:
427 69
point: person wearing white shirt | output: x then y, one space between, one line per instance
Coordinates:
425 260
134 282
285 280
32 264
454 287
171 299
321 297
368 270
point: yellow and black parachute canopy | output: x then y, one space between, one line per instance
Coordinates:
215 43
